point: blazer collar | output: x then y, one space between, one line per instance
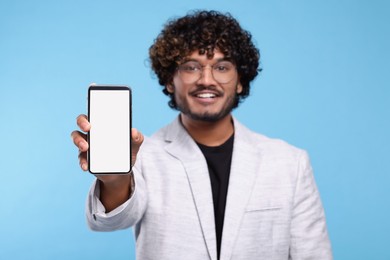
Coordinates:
243 172
245 161
183 147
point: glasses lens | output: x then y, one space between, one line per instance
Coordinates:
190 71
223 72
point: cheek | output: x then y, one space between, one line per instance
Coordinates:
178 95
179 88
176 81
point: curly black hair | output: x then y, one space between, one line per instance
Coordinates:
204 31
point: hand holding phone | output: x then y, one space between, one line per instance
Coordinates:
117 187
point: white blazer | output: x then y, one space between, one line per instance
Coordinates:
273 208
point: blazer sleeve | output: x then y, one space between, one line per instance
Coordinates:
126 215
309 237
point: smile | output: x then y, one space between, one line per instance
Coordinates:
206 95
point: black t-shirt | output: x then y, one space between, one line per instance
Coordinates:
219 159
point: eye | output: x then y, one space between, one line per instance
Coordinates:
223 67
190 67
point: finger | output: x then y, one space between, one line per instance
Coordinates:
137 138
83 123
83 161
79 139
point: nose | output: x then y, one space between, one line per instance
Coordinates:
206 77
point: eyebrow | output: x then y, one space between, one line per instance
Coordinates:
195 60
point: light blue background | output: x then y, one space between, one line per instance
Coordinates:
324 88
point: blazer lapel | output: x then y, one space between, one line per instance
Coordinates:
183 147
245 163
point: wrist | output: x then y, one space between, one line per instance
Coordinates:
114 191
114 182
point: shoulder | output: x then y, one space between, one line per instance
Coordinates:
280 164
272 148
245 134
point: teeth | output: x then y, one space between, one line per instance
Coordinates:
206 95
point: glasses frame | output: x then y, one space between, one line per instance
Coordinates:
200 72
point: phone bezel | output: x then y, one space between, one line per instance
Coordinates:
105 88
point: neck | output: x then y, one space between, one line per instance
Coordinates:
209 133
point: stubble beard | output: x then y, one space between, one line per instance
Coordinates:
207 116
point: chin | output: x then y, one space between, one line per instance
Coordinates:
208 117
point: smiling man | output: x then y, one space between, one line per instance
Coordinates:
205 186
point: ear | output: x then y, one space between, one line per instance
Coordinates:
170 88
239 88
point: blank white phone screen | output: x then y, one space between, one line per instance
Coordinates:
109 137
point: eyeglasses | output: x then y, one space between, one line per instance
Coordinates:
191 71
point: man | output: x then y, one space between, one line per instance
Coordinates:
206 187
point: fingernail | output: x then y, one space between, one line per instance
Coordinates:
84 125
82 145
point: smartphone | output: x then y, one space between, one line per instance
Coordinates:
109 139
